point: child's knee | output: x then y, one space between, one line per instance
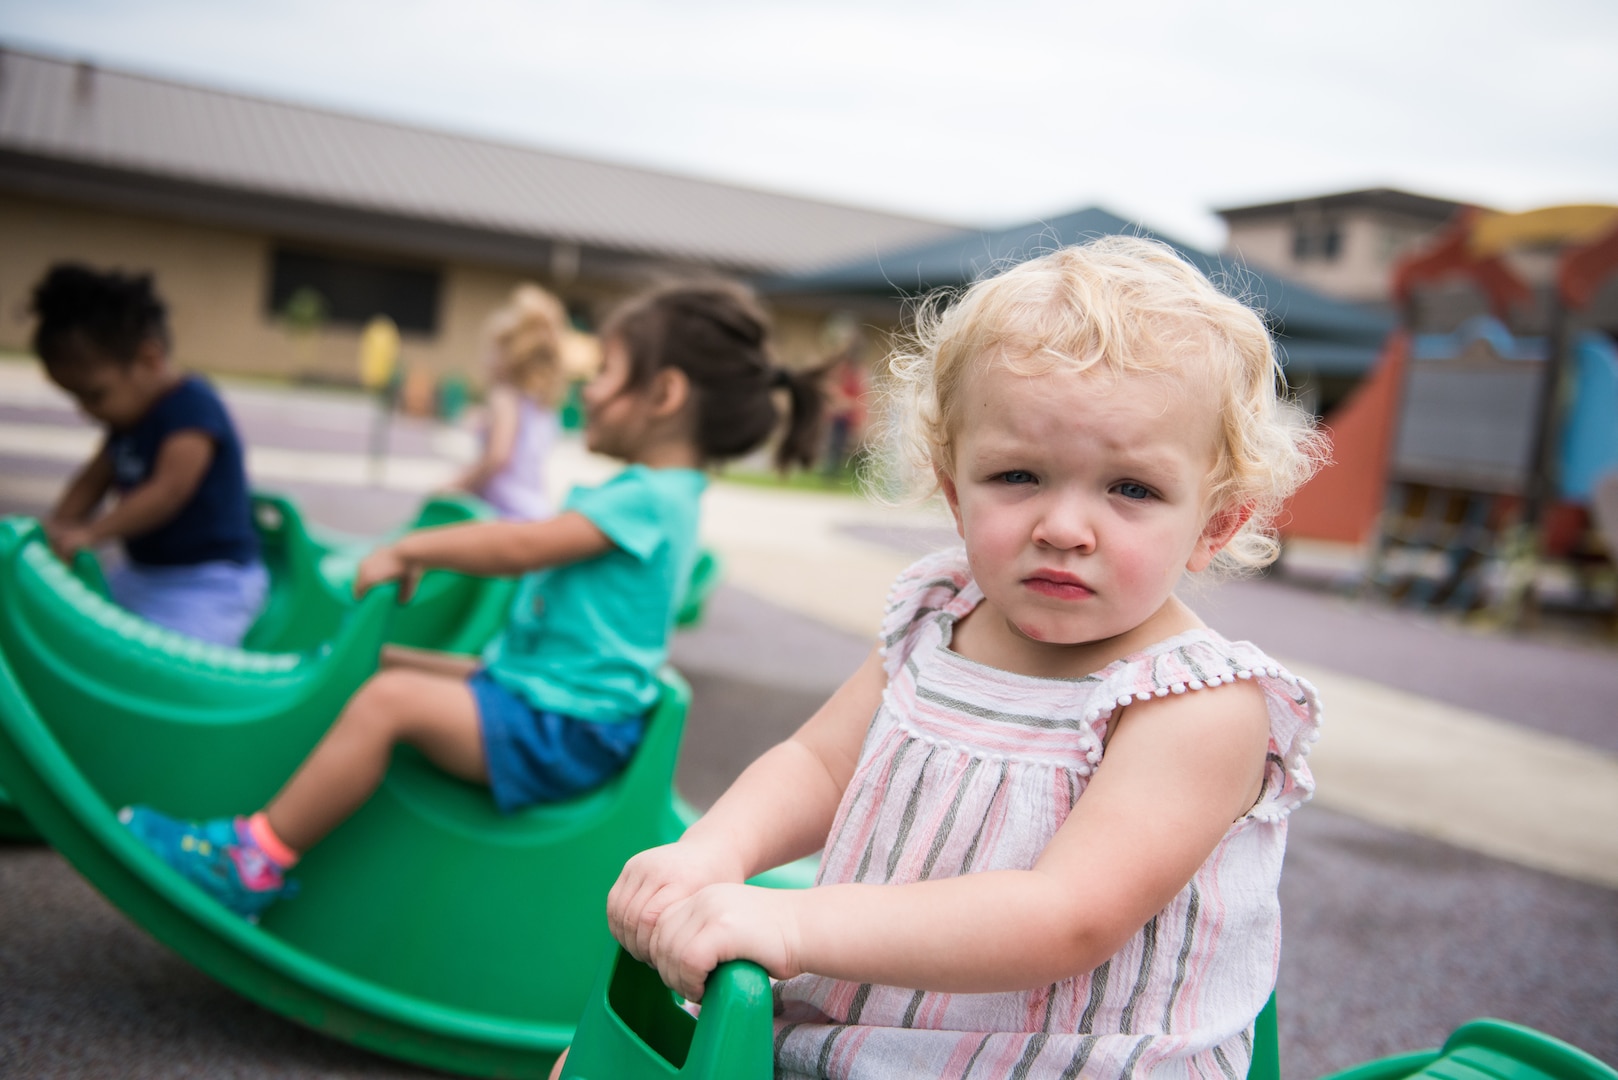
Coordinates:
380 702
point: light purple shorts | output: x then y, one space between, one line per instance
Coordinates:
214 601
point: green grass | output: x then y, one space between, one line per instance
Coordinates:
842 483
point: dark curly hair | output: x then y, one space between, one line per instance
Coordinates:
718 335
114 312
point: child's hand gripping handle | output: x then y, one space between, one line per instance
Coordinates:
633 1028
383 565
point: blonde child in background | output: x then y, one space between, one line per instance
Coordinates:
526 381
560 701
1052 803
170 454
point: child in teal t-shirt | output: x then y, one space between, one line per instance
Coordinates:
560 703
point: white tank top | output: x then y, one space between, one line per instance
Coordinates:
518 490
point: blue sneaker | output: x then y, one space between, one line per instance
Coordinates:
213 855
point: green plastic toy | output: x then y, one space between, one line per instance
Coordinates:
705 577
312 581
428 927
634 1028
147 709
1488 1050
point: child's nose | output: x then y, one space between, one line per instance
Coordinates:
1067 524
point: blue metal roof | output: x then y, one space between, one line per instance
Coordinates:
1318 334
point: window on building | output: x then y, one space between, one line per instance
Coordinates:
319 287
1316 239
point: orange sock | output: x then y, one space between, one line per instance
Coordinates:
258 827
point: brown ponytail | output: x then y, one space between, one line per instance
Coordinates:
800 443
718 335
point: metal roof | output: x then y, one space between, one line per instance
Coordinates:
70 127
1391 200
1317 333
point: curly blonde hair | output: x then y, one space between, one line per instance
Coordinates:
1121 306
525 339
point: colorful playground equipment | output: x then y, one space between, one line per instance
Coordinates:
1470 457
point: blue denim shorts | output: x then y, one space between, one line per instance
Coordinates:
537 756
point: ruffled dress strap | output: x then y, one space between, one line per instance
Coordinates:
940 582
1199 660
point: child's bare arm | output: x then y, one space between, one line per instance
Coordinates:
182 461
85 491
1177 772
499 441
779 809
485 548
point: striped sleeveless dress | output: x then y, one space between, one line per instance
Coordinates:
968 768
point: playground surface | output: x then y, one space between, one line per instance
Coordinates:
1459 860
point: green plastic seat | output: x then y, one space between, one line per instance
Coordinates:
705 577
1488 1050
142 708
312 578
634 1028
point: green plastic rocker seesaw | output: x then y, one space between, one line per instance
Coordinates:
312 582
311 595
634 1028
125 680
429 927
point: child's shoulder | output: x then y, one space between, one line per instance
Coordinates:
191 402
1201 660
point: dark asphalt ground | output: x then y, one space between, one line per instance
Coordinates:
1391 940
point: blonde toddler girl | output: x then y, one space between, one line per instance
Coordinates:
1052 803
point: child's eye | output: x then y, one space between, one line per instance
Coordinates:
1016 476
1131 490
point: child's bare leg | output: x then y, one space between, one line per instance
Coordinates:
436 714
453 665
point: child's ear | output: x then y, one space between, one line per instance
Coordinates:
669 392
946 484
1219 530
151 355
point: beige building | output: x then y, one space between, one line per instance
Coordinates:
1343 245
244 208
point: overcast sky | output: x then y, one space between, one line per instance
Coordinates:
978 113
